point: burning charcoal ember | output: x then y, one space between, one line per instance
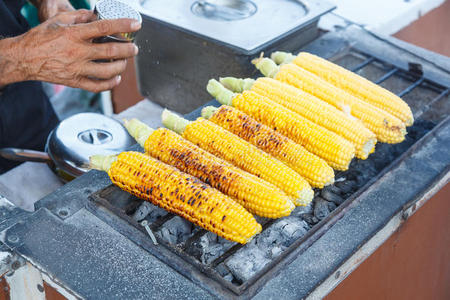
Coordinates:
176 230
246 262
300 210
331 206
346 186
332 197
320 208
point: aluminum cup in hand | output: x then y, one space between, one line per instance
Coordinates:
113 9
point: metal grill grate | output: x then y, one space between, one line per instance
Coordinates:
182 242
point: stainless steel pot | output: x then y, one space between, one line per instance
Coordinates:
73 141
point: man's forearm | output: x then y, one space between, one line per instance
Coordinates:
10 65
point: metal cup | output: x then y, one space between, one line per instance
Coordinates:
113 9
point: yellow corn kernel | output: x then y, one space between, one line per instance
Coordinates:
389 129
356 85
179 193
319 112
314 169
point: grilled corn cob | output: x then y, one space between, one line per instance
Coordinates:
335 150
256 195
311 108
389 129
179 193
350 82
314 169
235 150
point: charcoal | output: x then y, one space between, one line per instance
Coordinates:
346 186
299 210
165 235
309 218
178 228
332 197
331 206
143 210
320 208
293 230
332 188
155 213
276 251
228 277
246 262
211 253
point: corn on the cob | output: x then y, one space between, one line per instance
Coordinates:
389 129
242 154
179 193
256 195
314 169
311 108
335 150
352 83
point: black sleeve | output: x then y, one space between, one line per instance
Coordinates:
26 118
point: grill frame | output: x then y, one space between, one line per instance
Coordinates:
72 199
205 273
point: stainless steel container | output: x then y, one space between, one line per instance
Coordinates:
112 9
184 43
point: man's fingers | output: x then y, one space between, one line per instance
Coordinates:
97 86
107 27
74 17
105 70
113 50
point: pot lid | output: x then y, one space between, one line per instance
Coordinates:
246 25
82 135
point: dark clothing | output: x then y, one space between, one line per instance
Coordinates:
26 115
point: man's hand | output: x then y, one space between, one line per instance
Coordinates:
61 51
50 8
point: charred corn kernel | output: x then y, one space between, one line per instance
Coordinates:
242 154
314 169
356 85
389 129
179 193
334 149
256 195
313 109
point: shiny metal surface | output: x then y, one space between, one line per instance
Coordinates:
224 10
17 154
112 9
219 19
77 138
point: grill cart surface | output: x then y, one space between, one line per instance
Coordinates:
86 235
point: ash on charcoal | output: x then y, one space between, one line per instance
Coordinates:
328 195
149 212
176 230
209 247
266 246
299 210
309 218
246 262
321 208
142 211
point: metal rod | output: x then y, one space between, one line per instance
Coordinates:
411 87
363 64
386 76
